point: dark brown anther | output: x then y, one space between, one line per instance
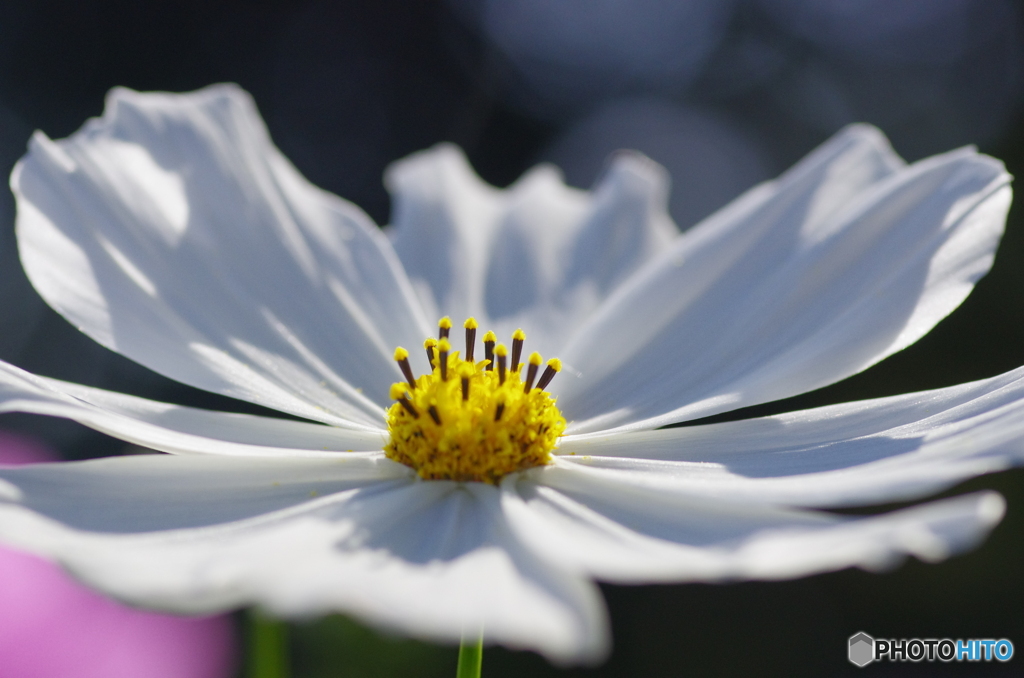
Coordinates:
470 326
518 337
444 328
489 351
429 345
442 358
432 411
531 374
408 406
545 379
498 411
407 371
397 392
465 388
501 368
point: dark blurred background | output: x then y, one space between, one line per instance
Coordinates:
724 93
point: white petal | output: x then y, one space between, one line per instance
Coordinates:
173 231
177 429
146 493
539 255
621 532
842 261
442 226
427 559
869 452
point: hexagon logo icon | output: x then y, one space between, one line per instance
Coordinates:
861 649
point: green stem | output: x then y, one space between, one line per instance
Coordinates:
267 647
471 655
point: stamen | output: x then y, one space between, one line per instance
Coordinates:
402 356
444 327
489 340
553 368
429 344
483 423
398 393
470 326
501 352
518 337
466 371
443 347
531 372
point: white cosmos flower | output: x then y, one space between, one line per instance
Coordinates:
172 231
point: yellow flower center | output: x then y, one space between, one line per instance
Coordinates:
469 420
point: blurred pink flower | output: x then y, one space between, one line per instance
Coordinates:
51 626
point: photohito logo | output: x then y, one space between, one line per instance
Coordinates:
862 649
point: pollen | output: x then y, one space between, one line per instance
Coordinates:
473 421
